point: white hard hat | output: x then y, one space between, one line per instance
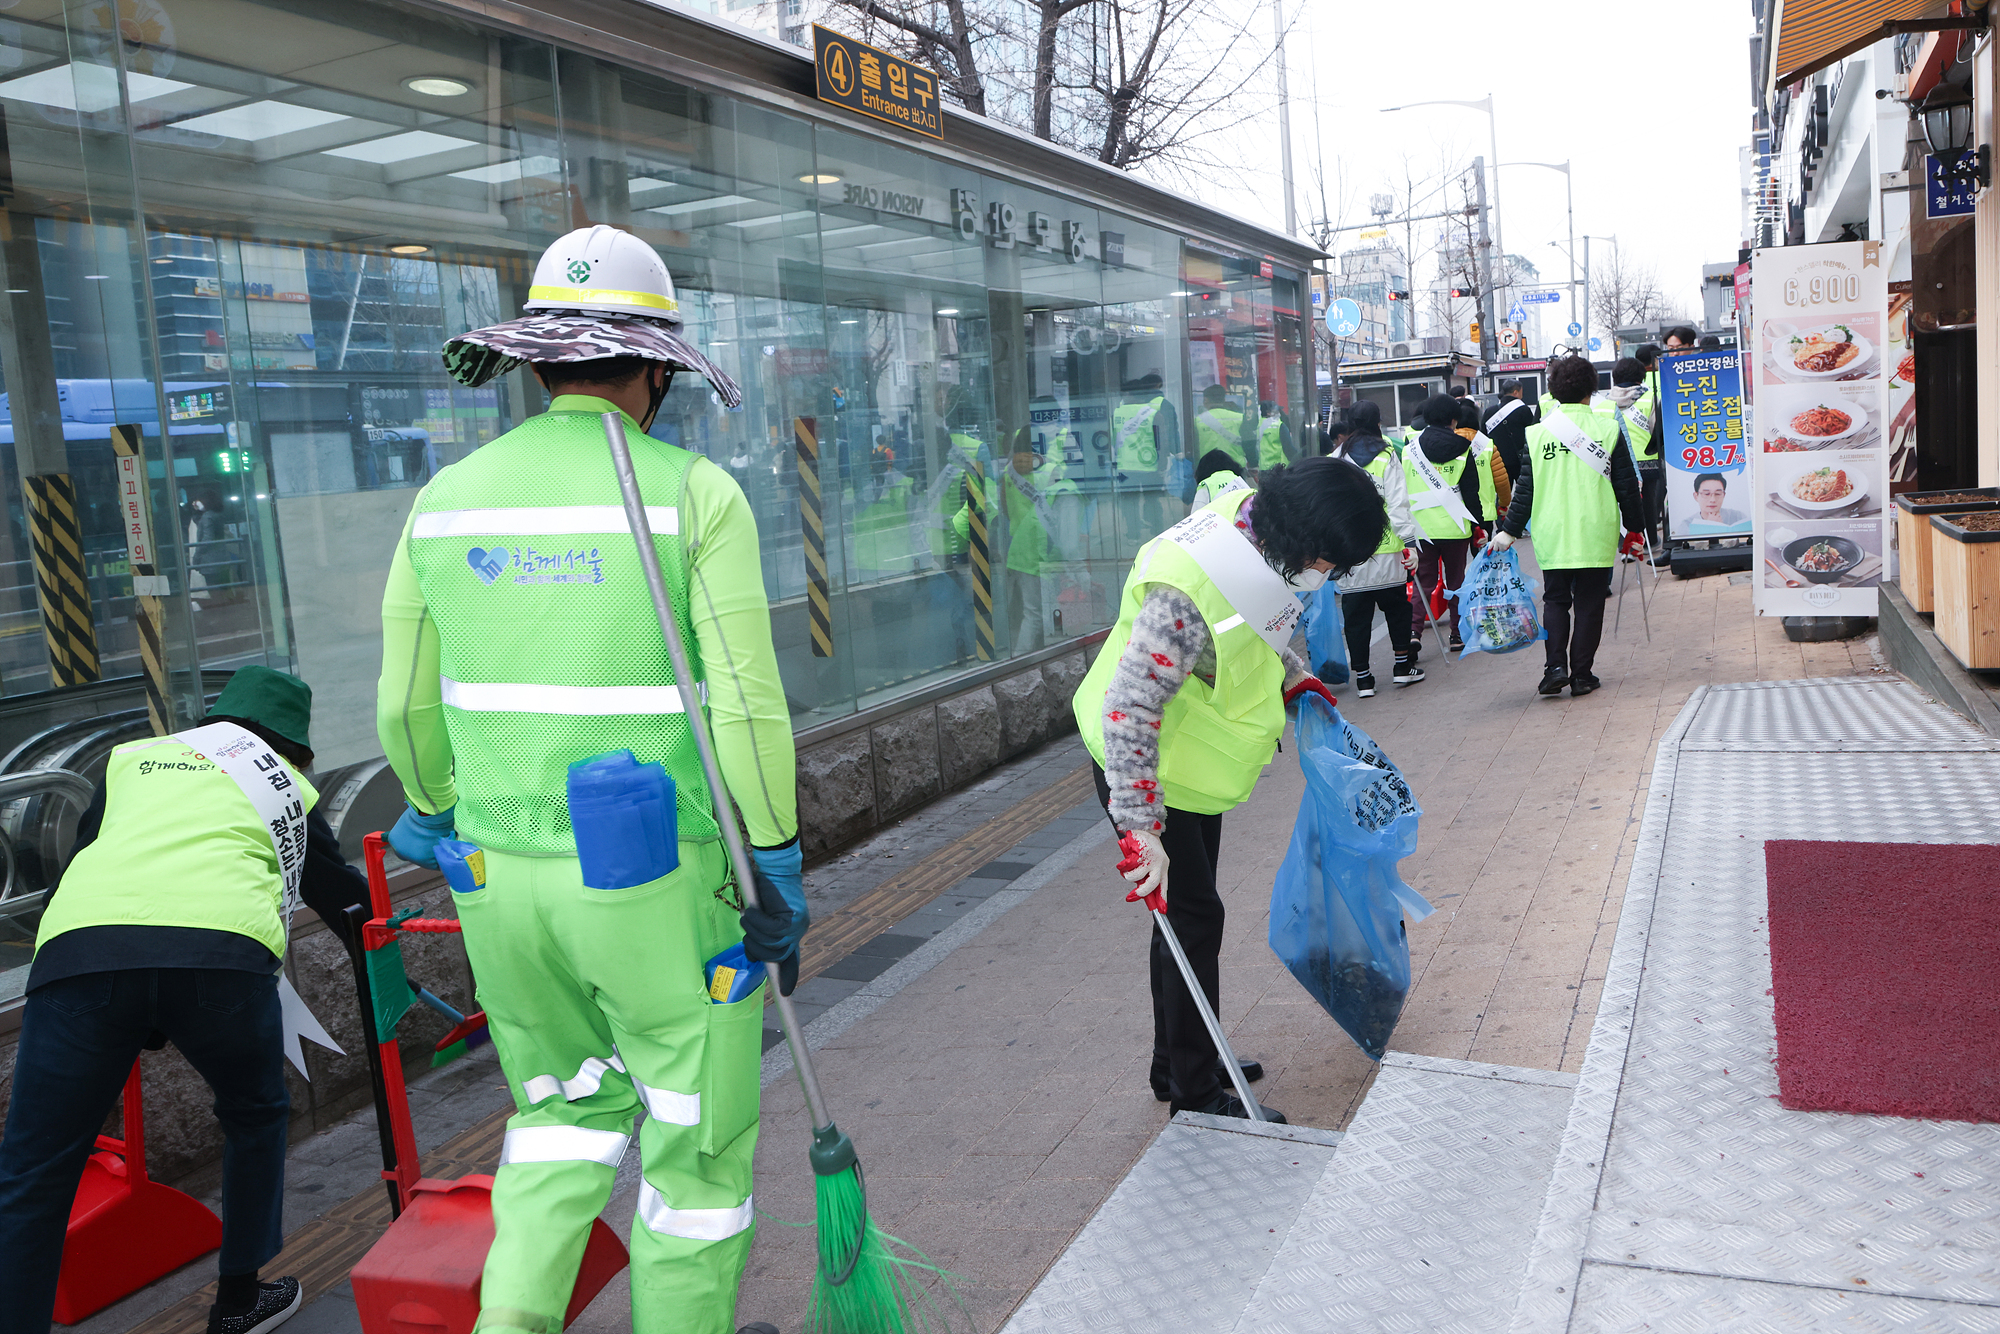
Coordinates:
604 271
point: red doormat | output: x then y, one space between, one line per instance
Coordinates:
1885 964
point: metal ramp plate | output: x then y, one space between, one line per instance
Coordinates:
1422 1220
1685 1197
1180 1245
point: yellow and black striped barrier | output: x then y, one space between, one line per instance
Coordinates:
60 579
145 584
982 563
812 518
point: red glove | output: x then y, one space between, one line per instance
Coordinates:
1311 685
1633 545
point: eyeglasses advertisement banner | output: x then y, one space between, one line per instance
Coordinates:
1822 462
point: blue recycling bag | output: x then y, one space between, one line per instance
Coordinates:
1339 904
1496 605
1326 638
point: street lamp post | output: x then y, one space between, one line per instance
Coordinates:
1485 104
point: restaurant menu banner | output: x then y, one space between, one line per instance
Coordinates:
1821 462
1705 450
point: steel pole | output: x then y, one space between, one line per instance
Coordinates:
1489 337
1285 121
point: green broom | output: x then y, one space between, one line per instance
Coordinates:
864 1284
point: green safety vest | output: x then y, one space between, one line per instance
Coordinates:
1030 545
1639 425
1436 521
1378 468
1575 519
1219 428
945 538
1214 739
180 845
1132 427
549 648
1216 485
1271 443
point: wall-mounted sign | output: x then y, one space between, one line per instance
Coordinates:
1943 198
869 80
198 405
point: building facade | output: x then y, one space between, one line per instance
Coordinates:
249 253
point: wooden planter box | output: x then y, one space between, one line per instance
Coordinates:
1966 567
1913 538
1915 545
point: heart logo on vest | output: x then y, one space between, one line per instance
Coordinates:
487 564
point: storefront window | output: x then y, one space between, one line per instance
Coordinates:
244 257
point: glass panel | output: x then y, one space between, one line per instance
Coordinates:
717 187
1145 343
332 226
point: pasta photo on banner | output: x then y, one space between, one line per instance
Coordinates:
1821 465
1707 456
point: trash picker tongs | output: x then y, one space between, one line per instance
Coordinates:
1156 904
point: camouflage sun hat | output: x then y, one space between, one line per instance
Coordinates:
558 336
597 292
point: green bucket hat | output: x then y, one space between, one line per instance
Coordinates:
280 702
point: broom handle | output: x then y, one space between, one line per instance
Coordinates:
1229 1061
725 813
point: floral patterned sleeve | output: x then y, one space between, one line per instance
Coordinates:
1168 639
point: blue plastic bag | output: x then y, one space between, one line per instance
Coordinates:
1496 605
1338 907
1326 639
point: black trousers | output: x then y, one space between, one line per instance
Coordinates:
1357 612
1183 1053
79 1037
1572 648
1449 554
1653 503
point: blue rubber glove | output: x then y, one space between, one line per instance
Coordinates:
772 930
415 836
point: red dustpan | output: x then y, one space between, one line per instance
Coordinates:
422 1277
126 1229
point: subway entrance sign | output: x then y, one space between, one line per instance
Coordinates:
868 79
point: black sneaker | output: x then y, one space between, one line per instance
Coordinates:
1407 674
1457 644
276 1303
1364 685
1163 1089
1583 685
1226 1103
1553 681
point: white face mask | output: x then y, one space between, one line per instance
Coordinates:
1306 581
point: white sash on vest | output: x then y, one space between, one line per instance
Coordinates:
1203 496
1253 590
272 791
1579 442
958 464
1442 494
1504 413
1208 418
1034 497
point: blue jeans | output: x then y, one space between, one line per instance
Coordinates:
79 1037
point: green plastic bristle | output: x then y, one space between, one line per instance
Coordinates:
868 1282
448 1055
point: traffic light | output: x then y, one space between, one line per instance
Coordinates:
1463 291
1399 296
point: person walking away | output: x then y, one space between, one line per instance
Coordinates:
1632 402
1032 488
1333 438
1382 582
1274 437
1145 440
519 639
169 924
1183 709
1485 454
1449 497
1215 476
1219 426
1578 487
1508 423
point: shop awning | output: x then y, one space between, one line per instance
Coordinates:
1812 34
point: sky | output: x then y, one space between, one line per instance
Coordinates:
1648 103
